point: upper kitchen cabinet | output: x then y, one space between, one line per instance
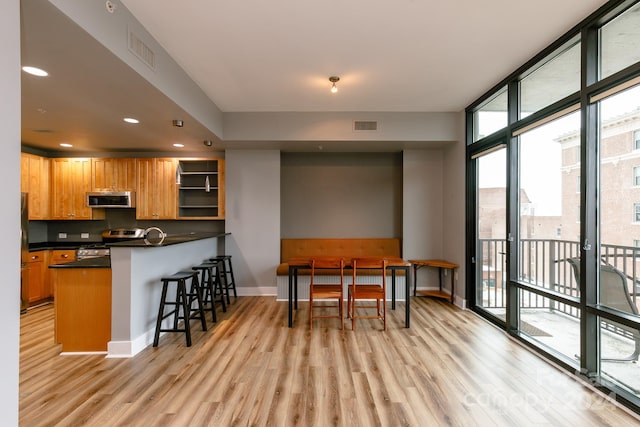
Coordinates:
113 174
156 188
34 174
70 182
201 189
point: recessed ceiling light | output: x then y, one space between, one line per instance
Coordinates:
35 71
65 144
178 145
131 120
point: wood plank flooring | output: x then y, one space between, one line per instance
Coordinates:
449 369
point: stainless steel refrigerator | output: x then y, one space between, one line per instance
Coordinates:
24 253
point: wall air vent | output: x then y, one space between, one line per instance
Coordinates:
365 125
141 50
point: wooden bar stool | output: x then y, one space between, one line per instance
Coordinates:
211 285
184 299
226 274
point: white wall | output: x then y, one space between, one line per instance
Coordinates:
10 215
252 189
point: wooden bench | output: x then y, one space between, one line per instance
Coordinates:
348 248
334 247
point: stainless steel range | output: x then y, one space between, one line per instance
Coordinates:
95 250
92 251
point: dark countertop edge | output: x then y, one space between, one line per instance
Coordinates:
98 262
168 241
43 246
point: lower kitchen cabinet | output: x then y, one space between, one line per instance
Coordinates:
82 302
36 283
57 256
60 256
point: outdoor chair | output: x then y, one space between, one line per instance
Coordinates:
614 293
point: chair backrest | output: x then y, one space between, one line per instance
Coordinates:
325 263
369 264
614 292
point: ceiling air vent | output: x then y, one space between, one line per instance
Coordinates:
141 50
365 125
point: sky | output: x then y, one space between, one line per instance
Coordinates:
541 155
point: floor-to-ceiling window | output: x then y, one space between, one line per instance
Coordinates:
549 233
491 238
619 225
554 201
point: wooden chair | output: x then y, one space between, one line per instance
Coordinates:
326 290
376 292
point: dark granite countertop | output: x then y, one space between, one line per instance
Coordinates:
43 246
169 240
98 262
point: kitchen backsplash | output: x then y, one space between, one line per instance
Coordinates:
91 231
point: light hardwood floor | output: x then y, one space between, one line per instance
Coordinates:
450 368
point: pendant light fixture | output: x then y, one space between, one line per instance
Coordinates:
334 80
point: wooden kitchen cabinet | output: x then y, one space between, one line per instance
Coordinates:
60 256
156 188
35 181
113 174
83 308
56 256
36 276
70 181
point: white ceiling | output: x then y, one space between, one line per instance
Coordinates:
277 56
400 55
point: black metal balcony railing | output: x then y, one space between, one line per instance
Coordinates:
543 263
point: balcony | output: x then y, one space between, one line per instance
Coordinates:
554 322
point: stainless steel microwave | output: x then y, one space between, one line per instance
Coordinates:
111 199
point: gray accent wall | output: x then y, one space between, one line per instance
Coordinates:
341 195
423 204
263 206
253 218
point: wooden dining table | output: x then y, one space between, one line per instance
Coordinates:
394 264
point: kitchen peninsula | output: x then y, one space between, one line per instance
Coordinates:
130 293
136 269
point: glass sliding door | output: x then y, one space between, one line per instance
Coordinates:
549 233
491 237
619 224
